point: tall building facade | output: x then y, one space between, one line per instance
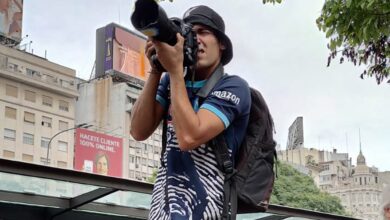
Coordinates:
37 101
295 134
106 104
358 187
359 192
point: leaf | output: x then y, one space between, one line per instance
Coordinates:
348 3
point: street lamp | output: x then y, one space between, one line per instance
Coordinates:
83 125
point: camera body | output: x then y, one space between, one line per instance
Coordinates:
151 20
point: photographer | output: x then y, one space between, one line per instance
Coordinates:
189 184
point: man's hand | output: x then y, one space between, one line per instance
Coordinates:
171 57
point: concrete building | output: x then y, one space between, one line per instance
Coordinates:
37 100
106 104
360 193
295 134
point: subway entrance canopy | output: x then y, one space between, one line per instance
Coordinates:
35 192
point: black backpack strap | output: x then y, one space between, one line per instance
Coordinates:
226 166
214 78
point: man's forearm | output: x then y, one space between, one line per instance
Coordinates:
143 115
185 119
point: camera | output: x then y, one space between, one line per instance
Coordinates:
151 20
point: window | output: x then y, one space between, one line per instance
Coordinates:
131 174
12 67
8 154
28 138
29 117
62 164
27 158
64 106
131 159
31 72
62 146
63 125
45 142
10 112
46 121
29 96
9 134
11 91
48 101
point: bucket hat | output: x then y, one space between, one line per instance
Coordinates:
206 16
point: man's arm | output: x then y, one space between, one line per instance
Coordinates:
147 113
192 128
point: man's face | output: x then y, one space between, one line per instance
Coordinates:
387 212
209 48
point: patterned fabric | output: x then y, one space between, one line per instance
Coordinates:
189 184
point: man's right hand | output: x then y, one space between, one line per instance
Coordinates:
150 51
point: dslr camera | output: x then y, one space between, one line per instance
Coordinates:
151 20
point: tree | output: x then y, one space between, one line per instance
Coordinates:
360 30
153 177
297 190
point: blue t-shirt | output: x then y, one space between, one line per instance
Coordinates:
189 185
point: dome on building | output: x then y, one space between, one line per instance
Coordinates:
361 160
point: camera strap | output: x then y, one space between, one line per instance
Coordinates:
214 78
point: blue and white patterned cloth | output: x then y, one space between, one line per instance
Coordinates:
189 185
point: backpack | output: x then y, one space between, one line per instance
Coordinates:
248 185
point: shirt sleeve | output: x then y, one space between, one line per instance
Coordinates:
229 99
162 95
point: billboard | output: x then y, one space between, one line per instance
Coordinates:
98 153
119 50
11 14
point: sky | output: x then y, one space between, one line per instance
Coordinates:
278 50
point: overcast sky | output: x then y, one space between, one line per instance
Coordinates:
278 49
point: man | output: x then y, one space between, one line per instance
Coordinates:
189 184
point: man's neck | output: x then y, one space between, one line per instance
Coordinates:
206 73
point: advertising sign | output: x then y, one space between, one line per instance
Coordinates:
11 14
124 52
98 153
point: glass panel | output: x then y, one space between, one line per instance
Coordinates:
41 186
129 199
9 134
45 142
28 138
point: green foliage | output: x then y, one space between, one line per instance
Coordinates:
360 30
272 1
153 177
297 190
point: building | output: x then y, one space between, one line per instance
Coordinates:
360 192
107 106
295 134
37 101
